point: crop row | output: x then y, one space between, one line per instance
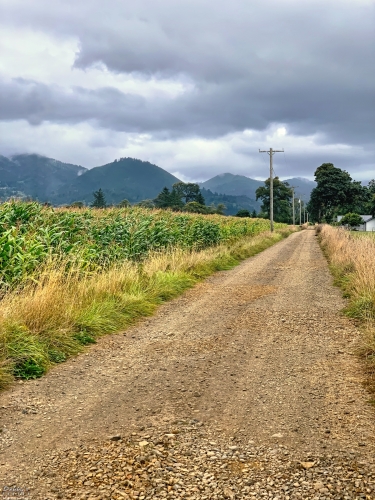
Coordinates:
30 234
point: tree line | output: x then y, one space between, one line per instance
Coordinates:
187 197
183 197
337 193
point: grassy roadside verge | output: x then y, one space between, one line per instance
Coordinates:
352 263
46 322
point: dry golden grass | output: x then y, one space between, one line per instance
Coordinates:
352 261
53 318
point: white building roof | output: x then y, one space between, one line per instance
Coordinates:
365 218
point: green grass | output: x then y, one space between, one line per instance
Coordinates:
46 322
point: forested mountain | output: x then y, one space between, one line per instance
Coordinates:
48 180
128 178
236 185
35 176
233 203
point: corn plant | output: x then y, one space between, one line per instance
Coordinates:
30 234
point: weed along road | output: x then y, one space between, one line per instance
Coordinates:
244 387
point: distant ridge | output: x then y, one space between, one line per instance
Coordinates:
49 180
240 185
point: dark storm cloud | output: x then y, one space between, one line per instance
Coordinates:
209 111
309 65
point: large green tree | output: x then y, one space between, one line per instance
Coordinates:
99 199
351 219
243 213
336 193
282 196
169 199
188 191
181 194
369 196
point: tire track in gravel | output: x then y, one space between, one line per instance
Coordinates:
260 356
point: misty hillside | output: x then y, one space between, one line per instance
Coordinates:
233 203
303 187
35 176
48 180
236 185
240 185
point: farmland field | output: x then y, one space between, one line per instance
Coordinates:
363 234
31 234
68 276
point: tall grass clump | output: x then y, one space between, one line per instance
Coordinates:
68 277
352 261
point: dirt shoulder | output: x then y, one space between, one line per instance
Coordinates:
257 360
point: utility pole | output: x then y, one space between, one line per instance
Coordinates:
271 152
304 213
293 209
300 212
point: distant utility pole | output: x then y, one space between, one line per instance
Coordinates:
271 152
300 212
293 209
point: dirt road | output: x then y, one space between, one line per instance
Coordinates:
244 387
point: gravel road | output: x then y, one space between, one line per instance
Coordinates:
246 386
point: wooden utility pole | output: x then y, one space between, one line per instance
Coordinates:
293 208
271 152
300 212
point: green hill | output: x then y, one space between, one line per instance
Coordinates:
128 178
35 176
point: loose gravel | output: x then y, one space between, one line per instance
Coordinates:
247 386
185 461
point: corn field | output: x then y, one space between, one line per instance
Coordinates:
69 276
31 235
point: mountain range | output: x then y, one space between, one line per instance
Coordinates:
48 180
240 185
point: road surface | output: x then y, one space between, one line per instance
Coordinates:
244 387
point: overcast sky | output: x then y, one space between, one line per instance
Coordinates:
195 86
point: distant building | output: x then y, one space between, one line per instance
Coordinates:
368 223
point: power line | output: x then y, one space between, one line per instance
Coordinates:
271 152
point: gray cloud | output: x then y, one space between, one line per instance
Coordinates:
308 65
211 111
